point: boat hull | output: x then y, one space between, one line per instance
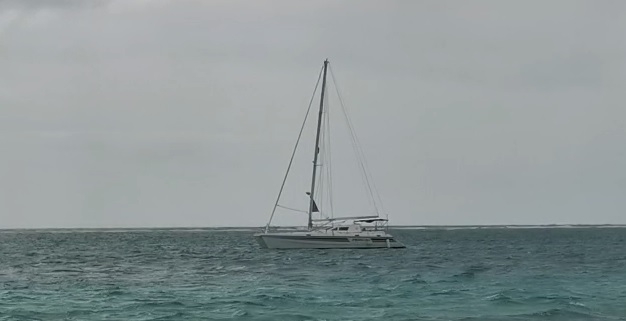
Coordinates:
286 241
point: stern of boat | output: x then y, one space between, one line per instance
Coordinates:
260 240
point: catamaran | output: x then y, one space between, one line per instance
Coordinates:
324 230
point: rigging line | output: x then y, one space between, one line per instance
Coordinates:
367 173
319 188
329 168
358 149
327 160
324 187
355 145
357 156
291 208
294 150
361 155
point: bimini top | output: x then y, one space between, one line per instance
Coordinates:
354 218
371 220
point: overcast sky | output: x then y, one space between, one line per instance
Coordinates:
130 113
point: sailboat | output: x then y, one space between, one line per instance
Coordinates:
324 230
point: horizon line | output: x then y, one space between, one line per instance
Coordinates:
297 226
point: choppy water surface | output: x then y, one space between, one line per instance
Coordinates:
464 274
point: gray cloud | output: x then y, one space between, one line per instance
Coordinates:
183 113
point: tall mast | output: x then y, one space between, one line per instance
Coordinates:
317 147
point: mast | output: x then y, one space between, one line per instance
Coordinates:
317 147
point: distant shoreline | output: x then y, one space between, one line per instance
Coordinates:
254 228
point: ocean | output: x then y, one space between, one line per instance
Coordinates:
213 274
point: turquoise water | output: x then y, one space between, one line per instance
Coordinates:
458 274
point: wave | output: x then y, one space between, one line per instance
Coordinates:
501 298
414 279
549 314
445 292
563 313
66 271
472 270
172 316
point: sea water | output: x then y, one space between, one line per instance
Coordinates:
207 274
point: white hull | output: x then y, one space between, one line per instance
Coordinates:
299 240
